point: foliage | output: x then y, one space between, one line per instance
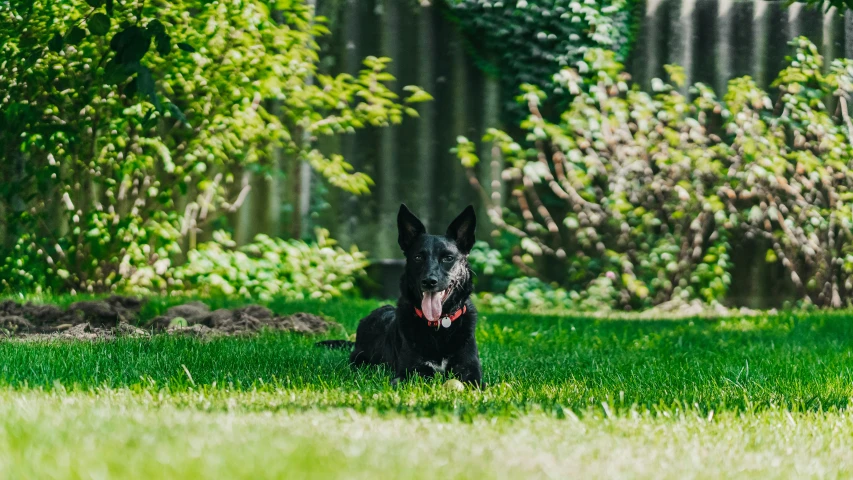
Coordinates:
265 269
119 152
652 190
841 5
526 41
492 272
501 286
529 294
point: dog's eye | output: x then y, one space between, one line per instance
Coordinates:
448 258
419 258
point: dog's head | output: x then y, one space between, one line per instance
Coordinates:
437 274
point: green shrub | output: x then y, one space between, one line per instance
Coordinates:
651 190
528 294
118 152
492 271
265 269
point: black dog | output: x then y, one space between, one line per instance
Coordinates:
432 328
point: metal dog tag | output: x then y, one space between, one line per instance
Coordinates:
445 322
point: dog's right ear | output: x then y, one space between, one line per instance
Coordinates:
408 227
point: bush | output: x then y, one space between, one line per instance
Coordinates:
651 190
265 269
118 152
492 272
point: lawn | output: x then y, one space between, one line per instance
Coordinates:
568 396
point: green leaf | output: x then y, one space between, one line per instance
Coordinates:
130 44
770 256
164 44
33 57
24 6
75 36
27 41
177 113
114 72
131 88
178 322
186 47
145 84
676 73
148 121
56 43
155 28
417 94
99 24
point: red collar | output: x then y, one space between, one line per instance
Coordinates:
441 321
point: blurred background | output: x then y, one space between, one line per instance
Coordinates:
622 155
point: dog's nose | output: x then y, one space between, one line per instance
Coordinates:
429 283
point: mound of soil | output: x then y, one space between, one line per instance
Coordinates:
196 318
118 316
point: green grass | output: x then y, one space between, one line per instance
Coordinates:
140 435
766 396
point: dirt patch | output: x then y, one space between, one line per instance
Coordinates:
87 320
197 319
119 316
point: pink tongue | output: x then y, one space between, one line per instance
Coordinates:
431 305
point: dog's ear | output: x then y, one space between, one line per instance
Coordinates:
408 227
461 229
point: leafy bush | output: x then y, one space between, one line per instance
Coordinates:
529 294
492 272
264 269
649 191
117 153
526 41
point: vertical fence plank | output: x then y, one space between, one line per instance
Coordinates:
387 174
275 187
829 35
350 60
827 48
651 45
490 166
794 27
426 125
303 207
243 220
723 70
682 40
461 122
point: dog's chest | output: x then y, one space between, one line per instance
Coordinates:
438 367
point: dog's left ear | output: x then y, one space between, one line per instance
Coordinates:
461 229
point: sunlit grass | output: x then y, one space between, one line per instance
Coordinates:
121 434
